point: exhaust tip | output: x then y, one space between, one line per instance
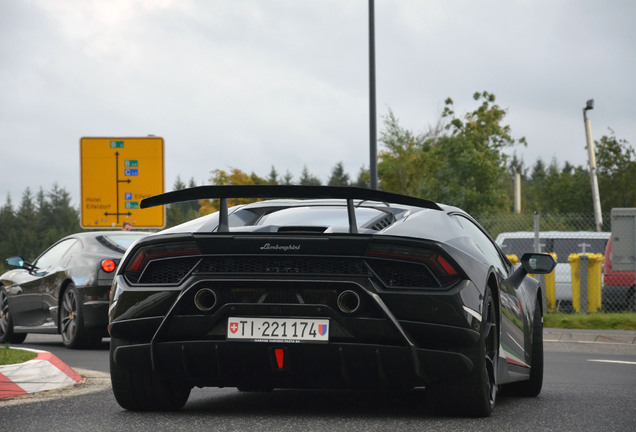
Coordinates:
348 301
205 299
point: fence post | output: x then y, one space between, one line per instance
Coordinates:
537 244
537 249
584 265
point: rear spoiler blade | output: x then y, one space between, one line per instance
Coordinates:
286 191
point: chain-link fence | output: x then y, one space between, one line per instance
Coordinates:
584 279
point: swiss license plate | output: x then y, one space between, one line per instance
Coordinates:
278 329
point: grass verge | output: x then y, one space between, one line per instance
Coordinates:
592 321
12 356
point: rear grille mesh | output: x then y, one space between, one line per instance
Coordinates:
392 273
167 271
279 295
397 274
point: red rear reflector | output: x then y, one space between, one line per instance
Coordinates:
450 270
279 353
108 265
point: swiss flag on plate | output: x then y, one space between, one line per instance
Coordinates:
234 327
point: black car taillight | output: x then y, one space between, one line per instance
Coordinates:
108 265
403 266
145 255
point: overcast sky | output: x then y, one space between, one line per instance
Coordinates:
251 84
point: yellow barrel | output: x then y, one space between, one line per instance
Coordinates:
550 287
594 264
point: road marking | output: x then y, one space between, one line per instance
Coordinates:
588 342
613 361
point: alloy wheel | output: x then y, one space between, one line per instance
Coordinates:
4 313
69 315
491 344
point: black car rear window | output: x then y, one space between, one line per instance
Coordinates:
318 216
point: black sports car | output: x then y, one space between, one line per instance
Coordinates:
336 288
65 290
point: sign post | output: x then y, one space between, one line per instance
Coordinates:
117 173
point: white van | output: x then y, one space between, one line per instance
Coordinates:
562 243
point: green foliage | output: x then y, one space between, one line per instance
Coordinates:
338 176
37 223
182 212
273 177
14 356
459 162
401 167
287 178
616 171
307 179
550 188
557 190
234 177
599 321
364 179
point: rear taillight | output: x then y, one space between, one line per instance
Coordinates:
108 265
449 269
149 253
436 270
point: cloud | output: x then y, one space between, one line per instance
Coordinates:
255 84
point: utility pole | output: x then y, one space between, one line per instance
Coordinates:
373 144
517 182
598 217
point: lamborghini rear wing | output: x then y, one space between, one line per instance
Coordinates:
287 191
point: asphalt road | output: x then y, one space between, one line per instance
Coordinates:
588 386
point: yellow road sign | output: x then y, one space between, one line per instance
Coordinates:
117 173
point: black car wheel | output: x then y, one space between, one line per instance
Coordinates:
74 334
144 390
532 387
6 323
474 395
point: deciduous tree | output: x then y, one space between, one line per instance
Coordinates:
459 162
616 169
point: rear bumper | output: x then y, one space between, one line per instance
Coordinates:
396 339
94 300
267 365
95 314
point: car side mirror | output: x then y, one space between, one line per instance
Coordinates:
19 262
535 263
538 263
16 261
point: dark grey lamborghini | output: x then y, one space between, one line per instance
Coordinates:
65 290
324 287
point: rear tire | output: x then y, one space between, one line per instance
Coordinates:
7 335
474 395
144 390
74 333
